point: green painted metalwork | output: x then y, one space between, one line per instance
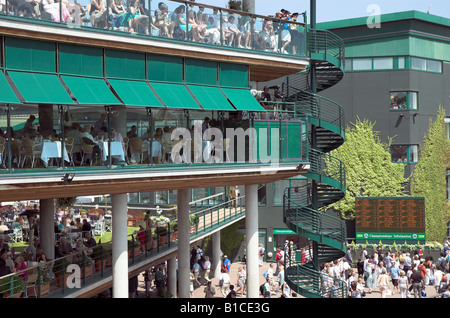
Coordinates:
40 88
125 65
210 98
165 68
135 93
30 55
90 91
175 95
80 60
201 72
242 99
7 95
233 75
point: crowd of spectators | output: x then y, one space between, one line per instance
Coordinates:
275 33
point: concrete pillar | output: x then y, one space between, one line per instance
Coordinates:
251 232
216 263
172 276
119 246
47 227
183 243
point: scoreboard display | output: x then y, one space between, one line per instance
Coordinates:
390 219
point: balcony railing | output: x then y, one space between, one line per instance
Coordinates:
205 24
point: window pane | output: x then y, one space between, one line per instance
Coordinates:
398 100
362 64
412 100
383 63
413 153
418 64
399 153
278 191
401 62
348 65
447 128
434 66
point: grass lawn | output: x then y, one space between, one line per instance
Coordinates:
20 247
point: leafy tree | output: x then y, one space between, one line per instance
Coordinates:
428 179
368 168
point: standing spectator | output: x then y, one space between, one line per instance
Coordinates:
200 257
207 269
417 283
266 290
363 254
360 267
383 282
406 263
262 252
403 284
196 271
348 256
209 290
224 283
86 227
394 270
278 260
285 290
241 277
226 263
437 276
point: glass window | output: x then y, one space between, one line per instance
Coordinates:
362 64
262 194
434 66
448 184
403 100
383 63
447 128
278 191
401 62
418 64
348 65
405 153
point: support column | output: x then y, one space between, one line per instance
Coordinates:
251 231
172 276
216 263
183 243
119 246
47 227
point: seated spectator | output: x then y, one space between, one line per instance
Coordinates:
98 14
136 18
86 228
4 269
64 248
212 31
90 241
179 17
24 8
21 266
75 133
99 124
8 261
117 15
162 21
133 132
3 228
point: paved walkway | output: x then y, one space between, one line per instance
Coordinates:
199 293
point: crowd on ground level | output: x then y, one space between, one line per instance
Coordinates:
394 272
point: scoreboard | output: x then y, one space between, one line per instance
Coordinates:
390 219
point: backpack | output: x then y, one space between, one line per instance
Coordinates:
261 289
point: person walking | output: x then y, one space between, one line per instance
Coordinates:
403 284
417 283
383 282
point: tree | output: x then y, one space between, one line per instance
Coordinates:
428 179
368 168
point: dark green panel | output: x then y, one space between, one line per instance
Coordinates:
135 93
210 98
243 100
90 91
201 72
165 68
40 88
7 95
233 75
80 60
291 133
125 65
30 55
175 95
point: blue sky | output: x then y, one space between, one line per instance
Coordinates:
330 10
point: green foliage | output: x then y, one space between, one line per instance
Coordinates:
429 181
230 238
368 168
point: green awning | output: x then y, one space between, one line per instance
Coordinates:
210 98
40 88
243 100
175 95
90 91
7 95
135 93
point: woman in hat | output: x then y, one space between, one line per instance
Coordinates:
403 284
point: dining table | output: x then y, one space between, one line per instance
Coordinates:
51 150
116 150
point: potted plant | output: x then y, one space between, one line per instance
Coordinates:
60 269
12 283
193 222
161 233
173 230
86 264
99 255
134 248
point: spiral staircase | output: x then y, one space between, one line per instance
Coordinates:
326 178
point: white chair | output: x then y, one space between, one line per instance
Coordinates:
31 283
16 236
